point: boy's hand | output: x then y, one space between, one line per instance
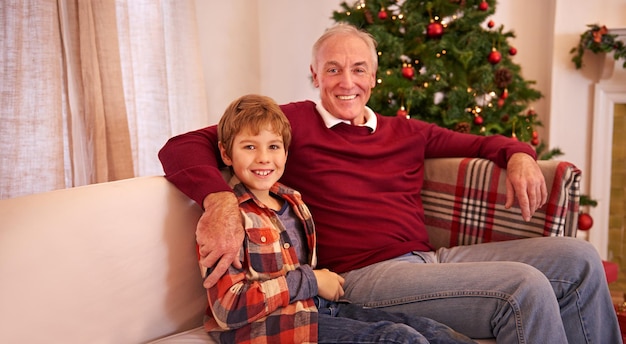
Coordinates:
329 284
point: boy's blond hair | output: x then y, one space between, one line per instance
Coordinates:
252 113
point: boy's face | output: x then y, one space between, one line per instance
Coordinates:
257 160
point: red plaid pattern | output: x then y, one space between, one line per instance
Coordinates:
251 305
464 200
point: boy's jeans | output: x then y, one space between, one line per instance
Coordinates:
349 323
540 290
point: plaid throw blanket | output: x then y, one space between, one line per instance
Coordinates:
464 202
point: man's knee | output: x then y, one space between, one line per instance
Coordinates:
567 248
525 276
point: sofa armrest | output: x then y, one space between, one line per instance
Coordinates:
464 200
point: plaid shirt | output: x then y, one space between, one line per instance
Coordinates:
251 305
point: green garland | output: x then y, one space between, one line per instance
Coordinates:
598 40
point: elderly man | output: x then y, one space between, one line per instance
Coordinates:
361 175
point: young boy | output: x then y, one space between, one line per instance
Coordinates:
275 297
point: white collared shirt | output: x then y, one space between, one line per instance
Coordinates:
330 120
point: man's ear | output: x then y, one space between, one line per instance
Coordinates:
314 77
227 160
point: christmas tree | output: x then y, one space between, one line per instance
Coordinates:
445 62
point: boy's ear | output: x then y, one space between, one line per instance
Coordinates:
227 160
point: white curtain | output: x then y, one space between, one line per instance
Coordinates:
91 89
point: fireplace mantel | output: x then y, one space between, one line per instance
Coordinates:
609 90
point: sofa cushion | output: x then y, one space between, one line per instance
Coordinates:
194 336
199 336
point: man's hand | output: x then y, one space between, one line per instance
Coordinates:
525 180
219 235
329 284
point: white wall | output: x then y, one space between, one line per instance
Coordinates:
572 100
534 44
572 94
230 43
288 30
259 46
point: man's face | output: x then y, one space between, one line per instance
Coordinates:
345 75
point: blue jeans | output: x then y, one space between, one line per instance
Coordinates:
349 323
540 290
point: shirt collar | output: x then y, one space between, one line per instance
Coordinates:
331 120
244 194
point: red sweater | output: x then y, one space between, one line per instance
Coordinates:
363 188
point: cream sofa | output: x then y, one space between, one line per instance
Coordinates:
116 262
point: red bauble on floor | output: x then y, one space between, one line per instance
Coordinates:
585 221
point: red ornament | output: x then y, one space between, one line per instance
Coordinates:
402 112
585 221
514 137
505 94
434 30
408 72
512 51
478 120
483 6
382 15
491 24
500 102
494 56
599 33
534 141
535 134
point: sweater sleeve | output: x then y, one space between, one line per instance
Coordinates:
442 142
192 163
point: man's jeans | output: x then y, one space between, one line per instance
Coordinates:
349 323
540 290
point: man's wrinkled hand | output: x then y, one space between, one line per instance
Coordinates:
219 235
525 181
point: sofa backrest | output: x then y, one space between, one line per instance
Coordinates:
105 263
